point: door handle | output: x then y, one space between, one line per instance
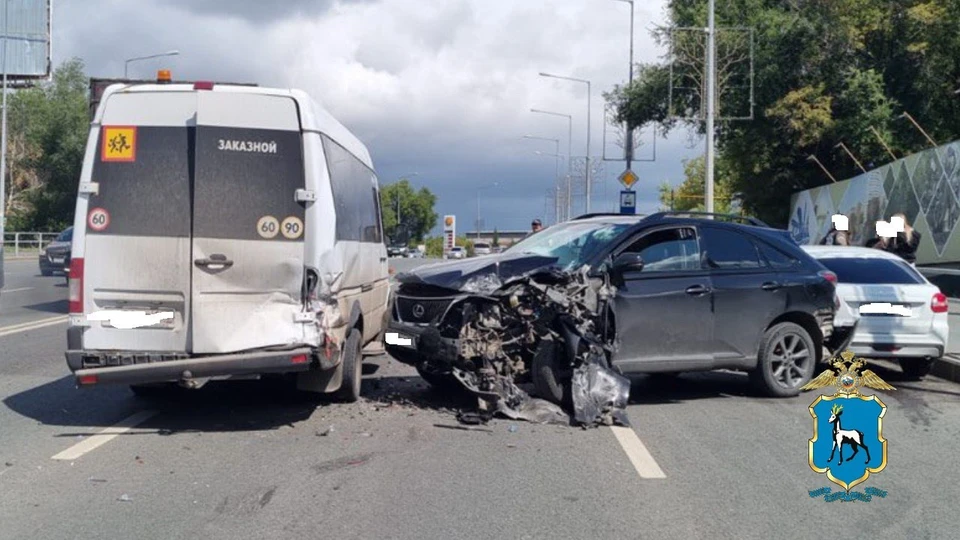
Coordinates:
770 286
697 290
216 259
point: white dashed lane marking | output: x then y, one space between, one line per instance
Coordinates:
105 436
639 456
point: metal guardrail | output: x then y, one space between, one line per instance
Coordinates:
17 243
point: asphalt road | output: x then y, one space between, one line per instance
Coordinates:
247 460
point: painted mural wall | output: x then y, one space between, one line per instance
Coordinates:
924 186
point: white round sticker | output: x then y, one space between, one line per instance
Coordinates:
268 226
99 219
292 228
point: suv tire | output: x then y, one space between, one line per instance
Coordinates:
775 355
352 368
550 383
916 369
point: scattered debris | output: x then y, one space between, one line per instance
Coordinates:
97 480
8 464
512 429
125 498
463 428
325 432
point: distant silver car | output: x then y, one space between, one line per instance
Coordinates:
457 253
482 248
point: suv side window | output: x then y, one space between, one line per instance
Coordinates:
668 250
726 249
777 259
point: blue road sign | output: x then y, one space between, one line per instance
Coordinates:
628 201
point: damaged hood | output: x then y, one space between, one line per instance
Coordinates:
478 274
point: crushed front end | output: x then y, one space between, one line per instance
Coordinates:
491 334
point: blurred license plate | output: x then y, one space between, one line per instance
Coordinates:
885 309
56 260
165 323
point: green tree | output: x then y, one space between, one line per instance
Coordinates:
689 195
496 237
417 216
825 72
49 125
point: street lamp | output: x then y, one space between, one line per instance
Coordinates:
588 180
884 143
569 153
495 184
556 142
126 63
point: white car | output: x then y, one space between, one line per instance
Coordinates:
457 253
482 248
902 315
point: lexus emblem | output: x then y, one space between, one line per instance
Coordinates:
418 310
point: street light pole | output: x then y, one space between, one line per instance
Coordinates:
126 63
711 81
879 138
629 138
495 184
3 143
587 162
569 118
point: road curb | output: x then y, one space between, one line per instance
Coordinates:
948 367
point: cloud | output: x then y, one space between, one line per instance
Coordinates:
441 88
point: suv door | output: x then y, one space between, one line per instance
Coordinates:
663 311
747 292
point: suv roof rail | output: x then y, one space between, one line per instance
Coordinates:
751 220
605 214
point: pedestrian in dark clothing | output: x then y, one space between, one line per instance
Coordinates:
836 238
905 243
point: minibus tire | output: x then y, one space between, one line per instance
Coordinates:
352 368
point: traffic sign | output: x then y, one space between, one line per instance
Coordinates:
628 178
628 201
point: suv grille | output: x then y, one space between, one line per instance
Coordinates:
421 310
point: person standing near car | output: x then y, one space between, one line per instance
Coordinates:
905 243
535 227
836 238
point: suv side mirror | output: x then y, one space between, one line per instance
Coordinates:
628 262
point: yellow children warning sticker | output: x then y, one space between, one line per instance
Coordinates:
119 143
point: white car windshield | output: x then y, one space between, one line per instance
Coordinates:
573 244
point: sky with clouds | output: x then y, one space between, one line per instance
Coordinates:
441 88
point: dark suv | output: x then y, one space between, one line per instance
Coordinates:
693 293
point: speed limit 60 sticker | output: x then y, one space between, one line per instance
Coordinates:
291 228
268 227
99 219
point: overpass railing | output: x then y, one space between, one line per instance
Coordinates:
26 243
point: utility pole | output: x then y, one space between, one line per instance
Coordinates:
711 89
3 143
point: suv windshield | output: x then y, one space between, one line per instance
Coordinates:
573 244
66 236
